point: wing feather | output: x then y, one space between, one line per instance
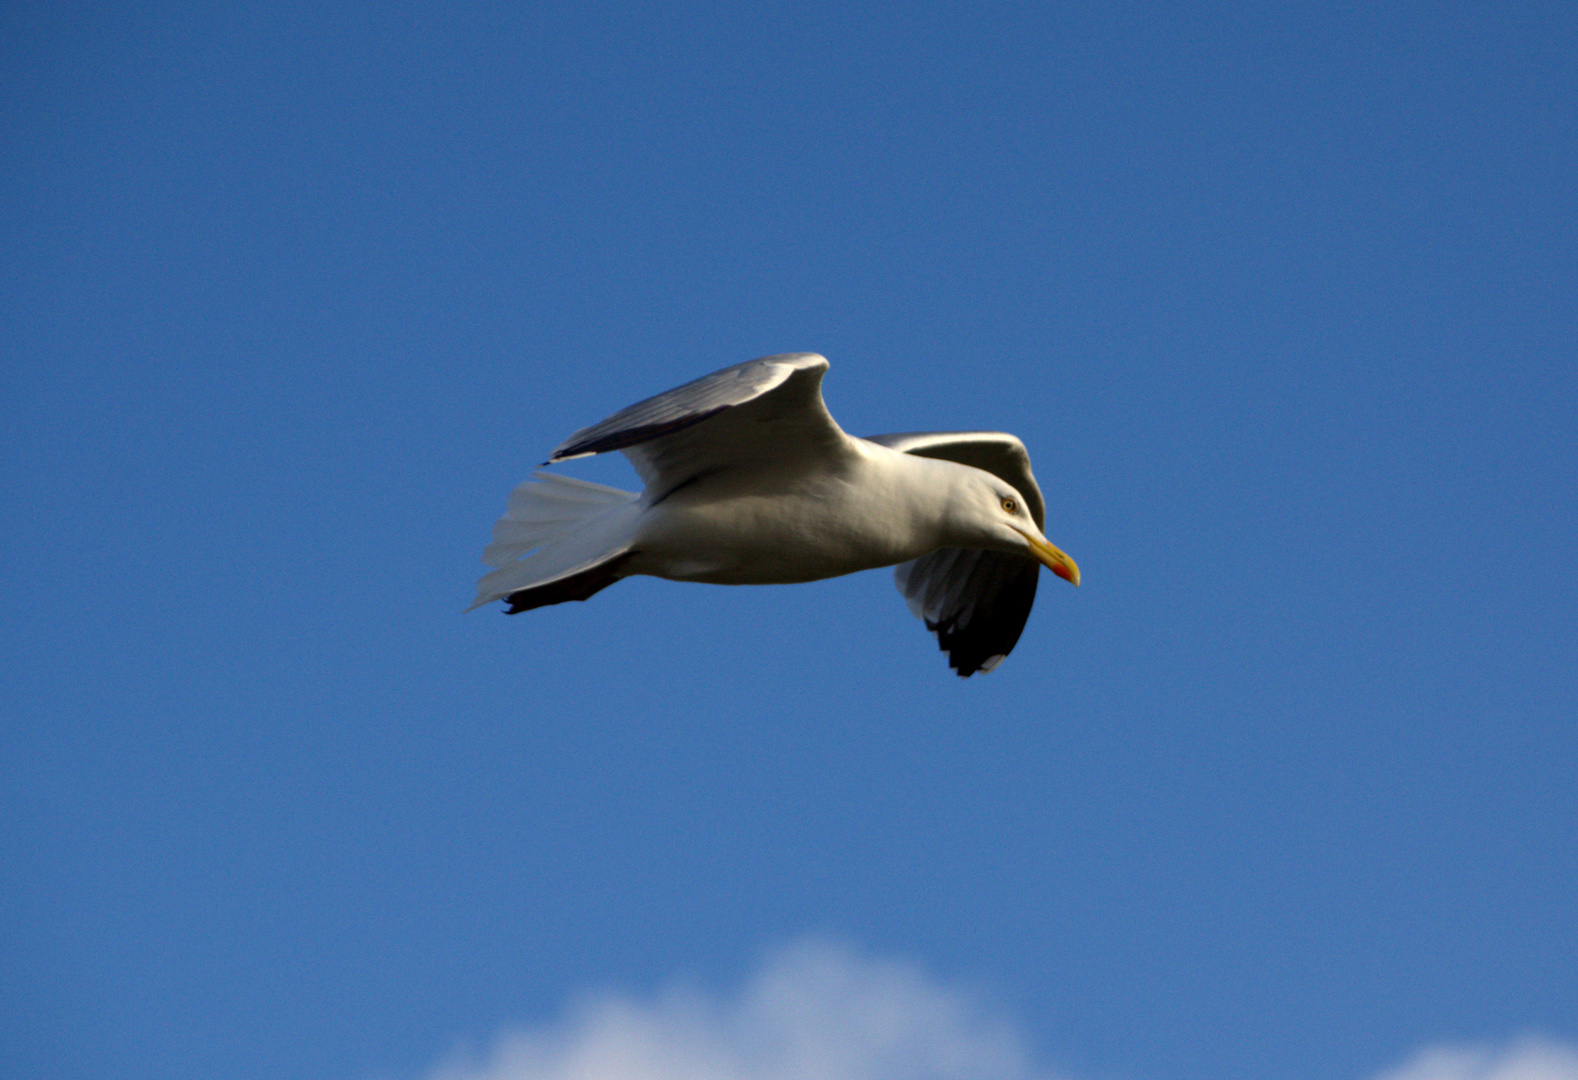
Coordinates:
761 410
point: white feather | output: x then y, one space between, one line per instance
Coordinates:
554 526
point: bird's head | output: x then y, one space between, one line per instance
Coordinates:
995 516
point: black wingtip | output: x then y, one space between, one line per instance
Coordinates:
981 647
963 660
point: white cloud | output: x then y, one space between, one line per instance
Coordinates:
813 1012
820 1012
1527 1059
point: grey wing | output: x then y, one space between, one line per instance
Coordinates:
766 407
977 602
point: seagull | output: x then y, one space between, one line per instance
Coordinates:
749 481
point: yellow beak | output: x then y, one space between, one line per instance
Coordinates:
1053 559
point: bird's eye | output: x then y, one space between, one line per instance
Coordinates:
1010 507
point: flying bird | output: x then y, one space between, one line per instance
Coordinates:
749 481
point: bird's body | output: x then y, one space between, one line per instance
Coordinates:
779 527
750 482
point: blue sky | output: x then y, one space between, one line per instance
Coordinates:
1283 300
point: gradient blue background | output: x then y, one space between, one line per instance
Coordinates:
1283 299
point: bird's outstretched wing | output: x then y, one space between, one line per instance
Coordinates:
761 411
976 601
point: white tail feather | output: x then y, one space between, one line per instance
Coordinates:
554 526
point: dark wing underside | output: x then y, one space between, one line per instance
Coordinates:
977 602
